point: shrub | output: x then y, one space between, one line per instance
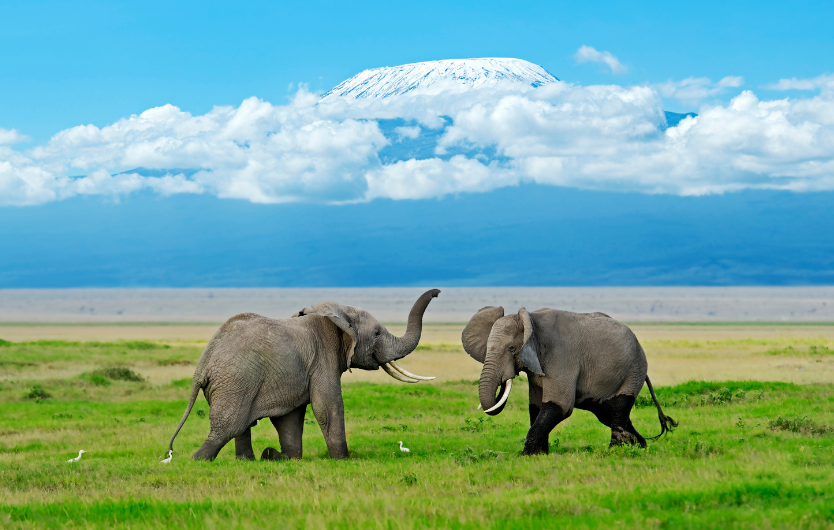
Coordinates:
800 425
118 373
38 393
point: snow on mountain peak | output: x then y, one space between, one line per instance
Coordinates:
436 76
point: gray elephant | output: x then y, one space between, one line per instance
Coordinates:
587 361
257 367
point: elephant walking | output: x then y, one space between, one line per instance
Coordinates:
587 361
256 367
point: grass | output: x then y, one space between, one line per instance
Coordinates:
747 454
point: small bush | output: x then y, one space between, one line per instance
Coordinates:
409 479
468 456
38 393
201 413
62 416
118 373
800 425
5 343
478 424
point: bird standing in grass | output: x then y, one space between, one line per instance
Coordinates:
77 458
404 449
170 456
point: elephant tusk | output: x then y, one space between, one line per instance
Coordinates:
396 375
406 373
479 407
504 396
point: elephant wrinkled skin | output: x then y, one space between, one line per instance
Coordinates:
573 360
256 367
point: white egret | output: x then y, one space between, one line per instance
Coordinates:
404 449
77 458
170 456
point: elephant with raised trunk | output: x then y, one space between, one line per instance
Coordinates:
256 367
587 361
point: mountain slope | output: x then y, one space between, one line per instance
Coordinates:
436 76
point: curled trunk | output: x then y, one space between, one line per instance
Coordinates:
402 346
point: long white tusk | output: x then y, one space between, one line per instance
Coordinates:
504 396
479 407
406 373
396 375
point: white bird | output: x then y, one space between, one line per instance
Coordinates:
170 456
404 449
77 458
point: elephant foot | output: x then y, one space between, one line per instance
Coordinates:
535 448
621 436
270 453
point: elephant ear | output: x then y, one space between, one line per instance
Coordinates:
529 356
337 314
476 332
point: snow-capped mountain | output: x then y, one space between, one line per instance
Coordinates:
436 76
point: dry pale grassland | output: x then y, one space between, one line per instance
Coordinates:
676 352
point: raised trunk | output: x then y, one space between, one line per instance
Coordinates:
402 346
487 388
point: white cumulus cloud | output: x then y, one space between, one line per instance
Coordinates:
802 84
693 90
595 137
588 54
11 136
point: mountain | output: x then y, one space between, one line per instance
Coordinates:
525 235
436 76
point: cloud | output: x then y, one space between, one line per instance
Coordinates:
802 84
693 90
11 136
593 137
587 54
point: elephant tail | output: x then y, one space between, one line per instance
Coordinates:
195 391
666 423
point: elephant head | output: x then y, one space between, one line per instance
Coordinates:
369 345
505 345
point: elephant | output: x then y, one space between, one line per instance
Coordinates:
256 367
587 361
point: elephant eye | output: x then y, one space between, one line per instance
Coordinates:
512 349
377 333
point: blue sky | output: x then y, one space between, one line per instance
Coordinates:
139 142
64 64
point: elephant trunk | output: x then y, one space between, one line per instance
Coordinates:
406 344
488 386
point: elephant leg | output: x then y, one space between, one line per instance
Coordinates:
243 445
622 430
290 429
215 441
330 414
537 438
535 403
602 410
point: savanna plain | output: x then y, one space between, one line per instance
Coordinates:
755 445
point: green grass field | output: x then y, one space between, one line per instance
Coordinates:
746 454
